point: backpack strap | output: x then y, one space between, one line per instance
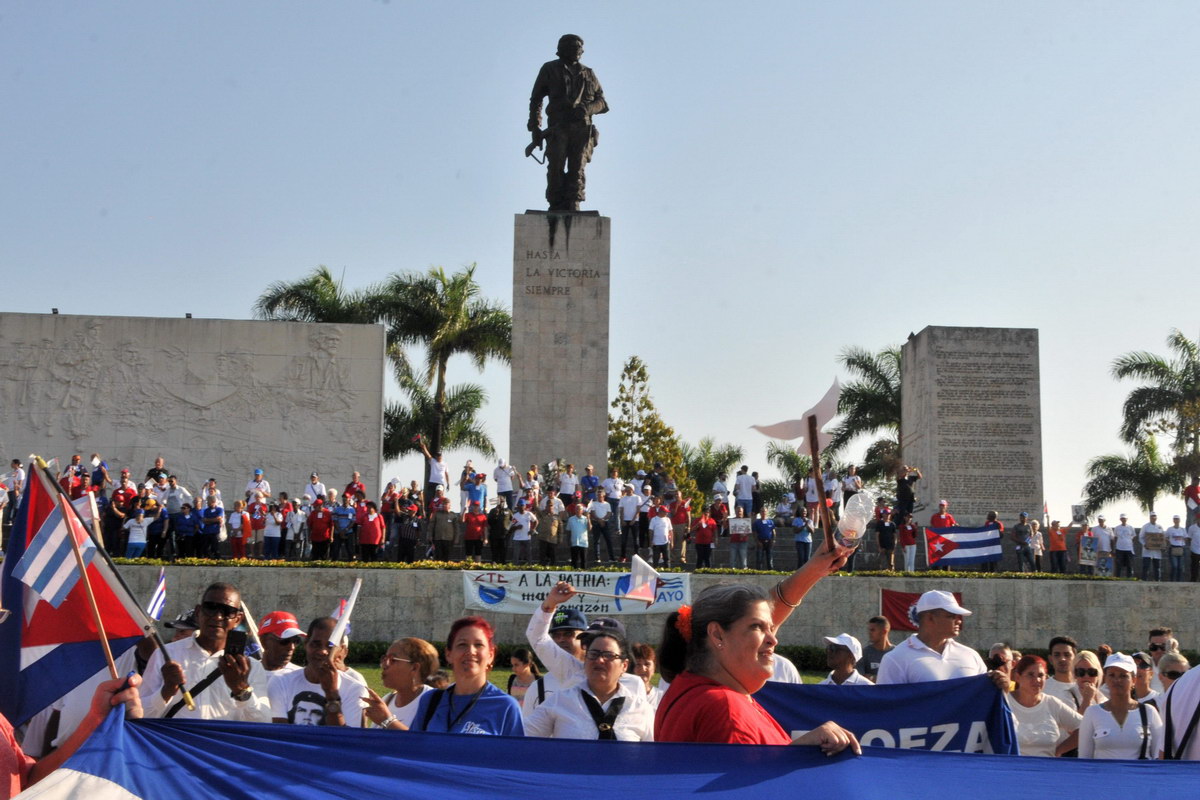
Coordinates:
541 684
209 679
431 708
1145 732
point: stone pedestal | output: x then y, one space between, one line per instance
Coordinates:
972 423
560 340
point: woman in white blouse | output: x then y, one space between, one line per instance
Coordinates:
1045 724
601 707
1120 727
405 667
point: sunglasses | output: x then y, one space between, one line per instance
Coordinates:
1140 665
1087 673
1154 647
1173 674
607 656
386 660
215 608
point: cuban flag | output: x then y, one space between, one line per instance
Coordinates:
949 546
46 651
158 600
48 566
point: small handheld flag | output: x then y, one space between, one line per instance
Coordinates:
158 601
343 622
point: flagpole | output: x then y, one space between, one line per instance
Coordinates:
148 625
91 596
251 625
822 505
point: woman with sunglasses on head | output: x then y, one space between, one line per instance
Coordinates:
1121 727
601 707
721 650
1087 689
470 704
404 668
1045 725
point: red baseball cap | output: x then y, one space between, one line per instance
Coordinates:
282 624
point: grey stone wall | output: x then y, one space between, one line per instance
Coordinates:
971 421
423 603
560 340
215 398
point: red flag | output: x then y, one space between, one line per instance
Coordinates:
900 608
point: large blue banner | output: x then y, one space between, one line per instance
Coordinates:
963 715
160 759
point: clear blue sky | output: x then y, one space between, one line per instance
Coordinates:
784 179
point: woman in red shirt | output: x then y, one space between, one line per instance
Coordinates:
721 650
370 533
704 535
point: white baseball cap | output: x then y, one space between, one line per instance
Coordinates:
1122 661
848 641
938 599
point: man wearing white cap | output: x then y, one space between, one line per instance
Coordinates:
1123 536
1177 542
842 652
932 654
1104 539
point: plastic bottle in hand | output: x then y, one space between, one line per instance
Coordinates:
855 516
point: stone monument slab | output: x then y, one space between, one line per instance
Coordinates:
215 398
560 340
972 423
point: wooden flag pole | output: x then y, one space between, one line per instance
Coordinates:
822 505
87 585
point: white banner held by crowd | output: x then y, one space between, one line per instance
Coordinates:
520 592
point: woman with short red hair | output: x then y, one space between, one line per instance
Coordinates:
471 704
1046 726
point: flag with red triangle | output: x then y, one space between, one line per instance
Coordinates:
46 651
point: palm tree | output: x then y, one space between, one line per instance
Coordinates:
1141 477
403 423
870 404
793 466
1170 399
446 314
316 298
706 460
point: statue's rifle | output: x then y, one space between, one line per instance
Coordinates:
539 140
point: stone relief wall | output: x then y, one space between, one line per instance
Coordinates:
215 398
972 421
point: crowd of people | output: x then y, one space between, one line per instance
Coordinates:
565 518
711 659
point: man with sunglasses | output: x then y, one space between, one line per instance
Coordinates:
1161 642
279 633
223 686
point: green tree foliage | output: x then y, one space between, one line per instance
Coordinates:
444 313
1169 399
1141 477
447 315
638 437
707 459
870 405
460 430
793 466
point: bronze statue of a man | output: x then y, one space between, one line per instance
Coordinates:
573 95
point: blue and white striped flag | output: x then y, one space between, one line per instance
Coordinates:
158 600
48 566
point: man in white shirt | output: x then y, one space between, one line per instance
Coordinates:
1062 657
842 653
1123 536
613 487
932 654
320 693
1179 709
743 489
719 489
628 507
439 473
601 515
1177 542
229 687
1152 555
1104 545
315 490
258 483
506 478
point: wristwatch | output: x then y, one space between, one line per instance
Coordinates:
333 706
243 695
